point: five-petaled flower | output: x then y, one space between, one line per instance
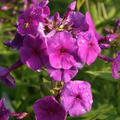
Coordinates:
76 97
33 52
62 50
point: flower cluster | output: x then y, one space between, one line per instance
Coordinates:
62 46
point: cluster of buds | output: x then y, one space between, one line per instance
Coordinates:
61 45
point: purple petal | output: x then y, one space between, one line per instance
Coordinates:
76 97
69 74
55 74
67 61
8 80
115 73
90 22
79 22
25 53
3 71
3 110
82 50
43 3
4 117
48 108
116 66
91 56
55 61
72 5
34 63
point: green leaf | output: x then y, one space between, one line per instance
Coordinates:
79 4
102 113
107 75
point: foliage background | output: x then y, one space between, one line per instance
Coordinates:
31 85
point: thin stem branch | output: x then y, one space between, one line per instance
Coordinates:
105 58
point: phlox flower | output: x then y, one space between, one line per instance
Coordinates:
33 53
29 20
88 48
76 97
62 50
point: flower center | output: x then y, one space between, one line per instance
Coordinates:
36 52
91 45
78 97
26 25
28 21
62 50
51 111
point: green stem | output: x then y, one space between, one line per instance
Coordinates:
99 9
87 5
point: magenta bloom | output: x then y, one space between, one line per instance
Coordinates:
6 78
88 48
116 66
76 97
29 20
64 75
62 49
33 52
3 110
48 108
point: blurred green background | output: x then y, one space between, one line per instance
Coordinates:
31 85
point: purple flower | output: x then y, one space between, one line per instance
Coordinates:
6 78
116 66
111 37
48 108
33 52
104 46
16 43
78 22
3 110
64 75
76 97
29 20
62 49
88 48
27 24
